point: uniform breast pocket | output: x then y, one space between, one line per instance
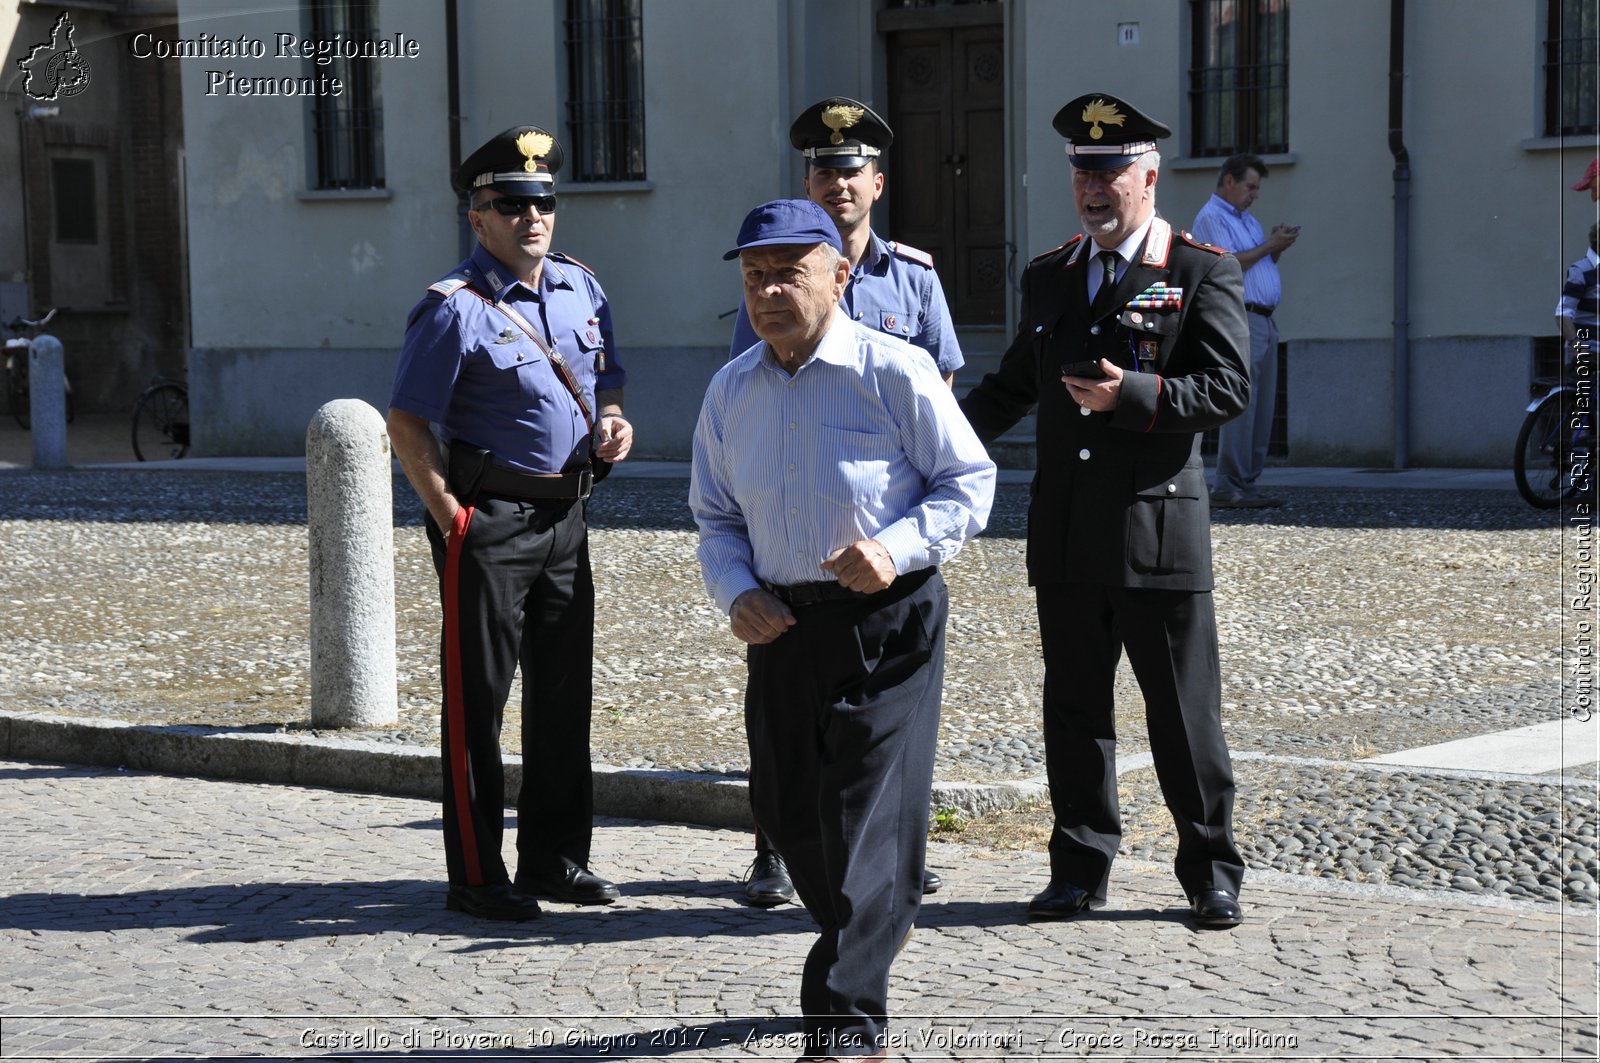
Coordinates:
515 358
894 322
1168 525
590 346
852 465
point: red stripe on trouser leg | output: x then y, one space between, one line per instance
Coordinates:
455 704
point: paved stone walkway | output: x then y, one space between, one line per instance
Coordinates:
147 916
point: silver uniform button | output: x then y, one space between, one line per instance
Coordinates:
1094 330
1172 488
1084 410
1083 455
1038 328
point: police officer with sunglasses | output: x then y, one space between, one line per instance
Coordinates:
507 406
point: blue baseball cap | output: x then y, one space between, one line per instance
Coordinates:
786 221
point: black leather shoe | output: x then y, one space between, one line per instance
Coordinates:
767 883
501 901
574 885
1060 900
931 881
1216 909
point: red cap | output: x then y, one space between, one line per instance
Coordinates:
1589 176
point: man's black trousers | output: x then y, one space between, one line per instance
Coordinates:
516 591
1171 639
842 712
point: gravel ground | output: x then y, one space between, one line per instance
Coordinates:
1352 622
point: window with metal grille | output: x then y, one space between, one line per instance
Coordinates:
1239 77
347 129
1571 67
605 90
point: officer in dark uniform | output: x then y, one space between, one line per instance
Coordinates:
892 289
507 404
1133 342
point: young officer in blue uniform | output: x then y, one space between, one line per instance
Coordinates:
507 404
1132 342
892 289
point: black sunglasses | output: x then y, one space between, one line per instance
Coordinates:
512 206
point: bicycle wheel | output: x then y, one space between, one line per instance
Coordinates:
17 389
161 423
1540 458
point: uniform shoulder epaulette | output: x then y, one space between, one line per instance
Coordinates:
448 286
1041 256
1193 241
912 254
562 256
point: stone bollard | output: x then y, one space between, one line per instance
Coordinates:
350 515
47 402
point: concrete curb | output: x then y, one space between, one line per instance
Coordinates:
328 762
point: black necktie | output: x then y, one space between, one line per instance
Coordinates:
1108 278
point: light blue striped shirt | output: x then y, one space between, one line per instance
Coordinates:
865 441
1220 224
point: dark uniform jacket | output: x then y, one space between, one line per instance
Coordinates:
1119 498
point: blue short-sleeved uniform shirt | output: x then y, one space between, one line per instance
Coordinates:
471 369
893 289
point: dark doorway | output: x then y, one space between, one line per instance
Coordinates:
947 166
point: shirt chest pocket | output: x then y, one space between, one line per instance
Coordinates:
894 322
514 354
590 349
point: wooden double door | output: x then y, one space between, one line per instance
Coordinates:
947 172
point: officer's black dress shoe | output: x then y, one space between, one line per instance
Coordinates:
767 883
500 901
1216 909
573 885
931 881
1061 900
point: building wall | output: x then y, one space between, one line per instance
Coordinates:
122 298
1491 223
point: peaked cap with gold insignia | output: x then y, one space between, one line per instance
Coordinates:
1105 133
840 133
521 161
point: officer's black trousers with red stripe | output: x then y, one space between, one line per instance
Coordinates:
516 591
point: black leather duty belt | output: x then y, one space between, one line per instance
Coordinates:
1257 308
527 487
813 593
471 474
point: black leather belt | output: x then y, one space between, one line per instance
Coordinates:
827 590
1257 308
472 473
529 487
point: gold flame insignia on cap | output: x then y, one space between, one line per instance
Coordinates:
533 146
1101 111
840 116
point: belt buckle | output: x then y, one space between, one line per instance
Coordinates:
585 483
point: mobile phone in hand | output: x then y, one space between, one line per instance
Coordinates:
1090 369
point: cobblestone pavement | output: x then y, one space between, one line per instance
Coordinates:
1394 913
156 917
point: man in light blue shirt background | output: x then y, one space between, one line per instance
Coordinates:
1225 221
832 473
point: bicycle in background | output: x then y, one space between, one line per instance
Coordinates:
17 350
161 421
1554 459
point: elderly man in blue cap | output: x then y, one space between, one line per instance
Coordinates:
832 474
